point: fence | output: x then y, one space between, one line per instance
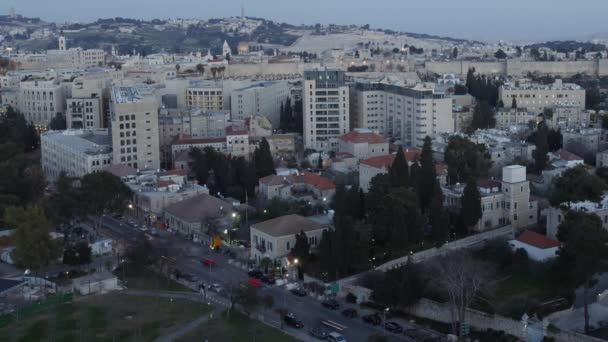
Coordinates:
35 308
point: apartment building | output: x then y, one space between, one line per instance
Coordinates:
326 108
535 97
134 126
40 100
259 99
402 114
75 152
87 105
507 117
502 202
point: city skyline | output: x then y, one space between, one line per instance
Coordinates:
469 19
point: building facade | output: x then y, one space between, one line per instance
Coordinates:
535 97
40 100
326 108
134 127
75 152
405 115
259 99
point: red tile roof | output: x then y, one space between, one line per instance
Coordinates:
362 137
313 179
195 141
232 131
537 240
164 183
488 183
567 155
176 173
379 162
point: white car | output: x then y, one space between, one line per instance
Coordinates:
335 337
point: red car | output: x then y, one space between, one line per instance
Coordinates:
209 262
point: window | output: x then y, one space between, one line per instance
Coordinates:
288 246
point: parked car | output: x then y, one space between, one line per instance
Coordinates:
372 319
331 304
393 327
291 320
298 292
335 337
350 313
257 274
318 333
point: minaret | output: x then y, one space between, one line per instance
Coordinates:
62 43
242 11
13 14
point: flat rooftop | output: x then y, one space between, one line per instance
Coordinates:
130 94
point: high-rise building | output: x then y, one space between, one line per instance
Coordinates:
405 115
325 107
134 126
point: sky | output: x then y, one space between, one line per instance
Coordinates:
473 19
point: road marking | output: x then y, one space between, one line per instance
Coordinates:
334 325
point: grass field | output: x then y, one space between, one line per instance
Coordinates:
112 317
236 328
146 279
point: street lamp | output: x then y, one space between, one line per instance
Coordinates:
233 215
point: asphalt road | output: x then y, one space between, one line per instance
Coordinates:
188 256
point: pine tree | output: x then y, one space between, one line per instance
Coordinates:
428 174
471 204
399 170
542 148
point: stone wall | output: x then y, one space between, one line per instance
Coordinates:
519 68
440 312
264 69
468 242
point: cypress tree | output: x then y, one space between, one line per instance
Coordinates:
438 217
542 148
471 203
428 175
264 163
399 170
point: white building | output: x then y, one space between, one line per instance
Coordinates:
402 114
259 99
363 144
40 100
75 152
326 108
556 215
502 203
275 238
134 127
539 247
535 97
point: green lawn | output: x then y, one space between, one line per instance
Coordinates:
112 317
236 328
146 279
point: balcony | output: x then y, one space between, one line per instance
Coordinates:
261 248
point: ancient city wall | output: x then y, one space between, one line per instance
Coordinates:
261 69
521 68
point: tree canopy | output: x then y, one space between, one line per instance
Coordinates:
264 163
576 184
465 159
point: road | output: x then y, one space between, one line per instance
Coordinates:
188 256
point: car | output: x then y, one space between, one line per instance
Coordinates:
335 337
393 327
318 333
291 320
257 274
331 304
298 292
350 313
372 319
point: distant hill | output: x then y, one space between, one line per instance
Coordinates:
565 46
